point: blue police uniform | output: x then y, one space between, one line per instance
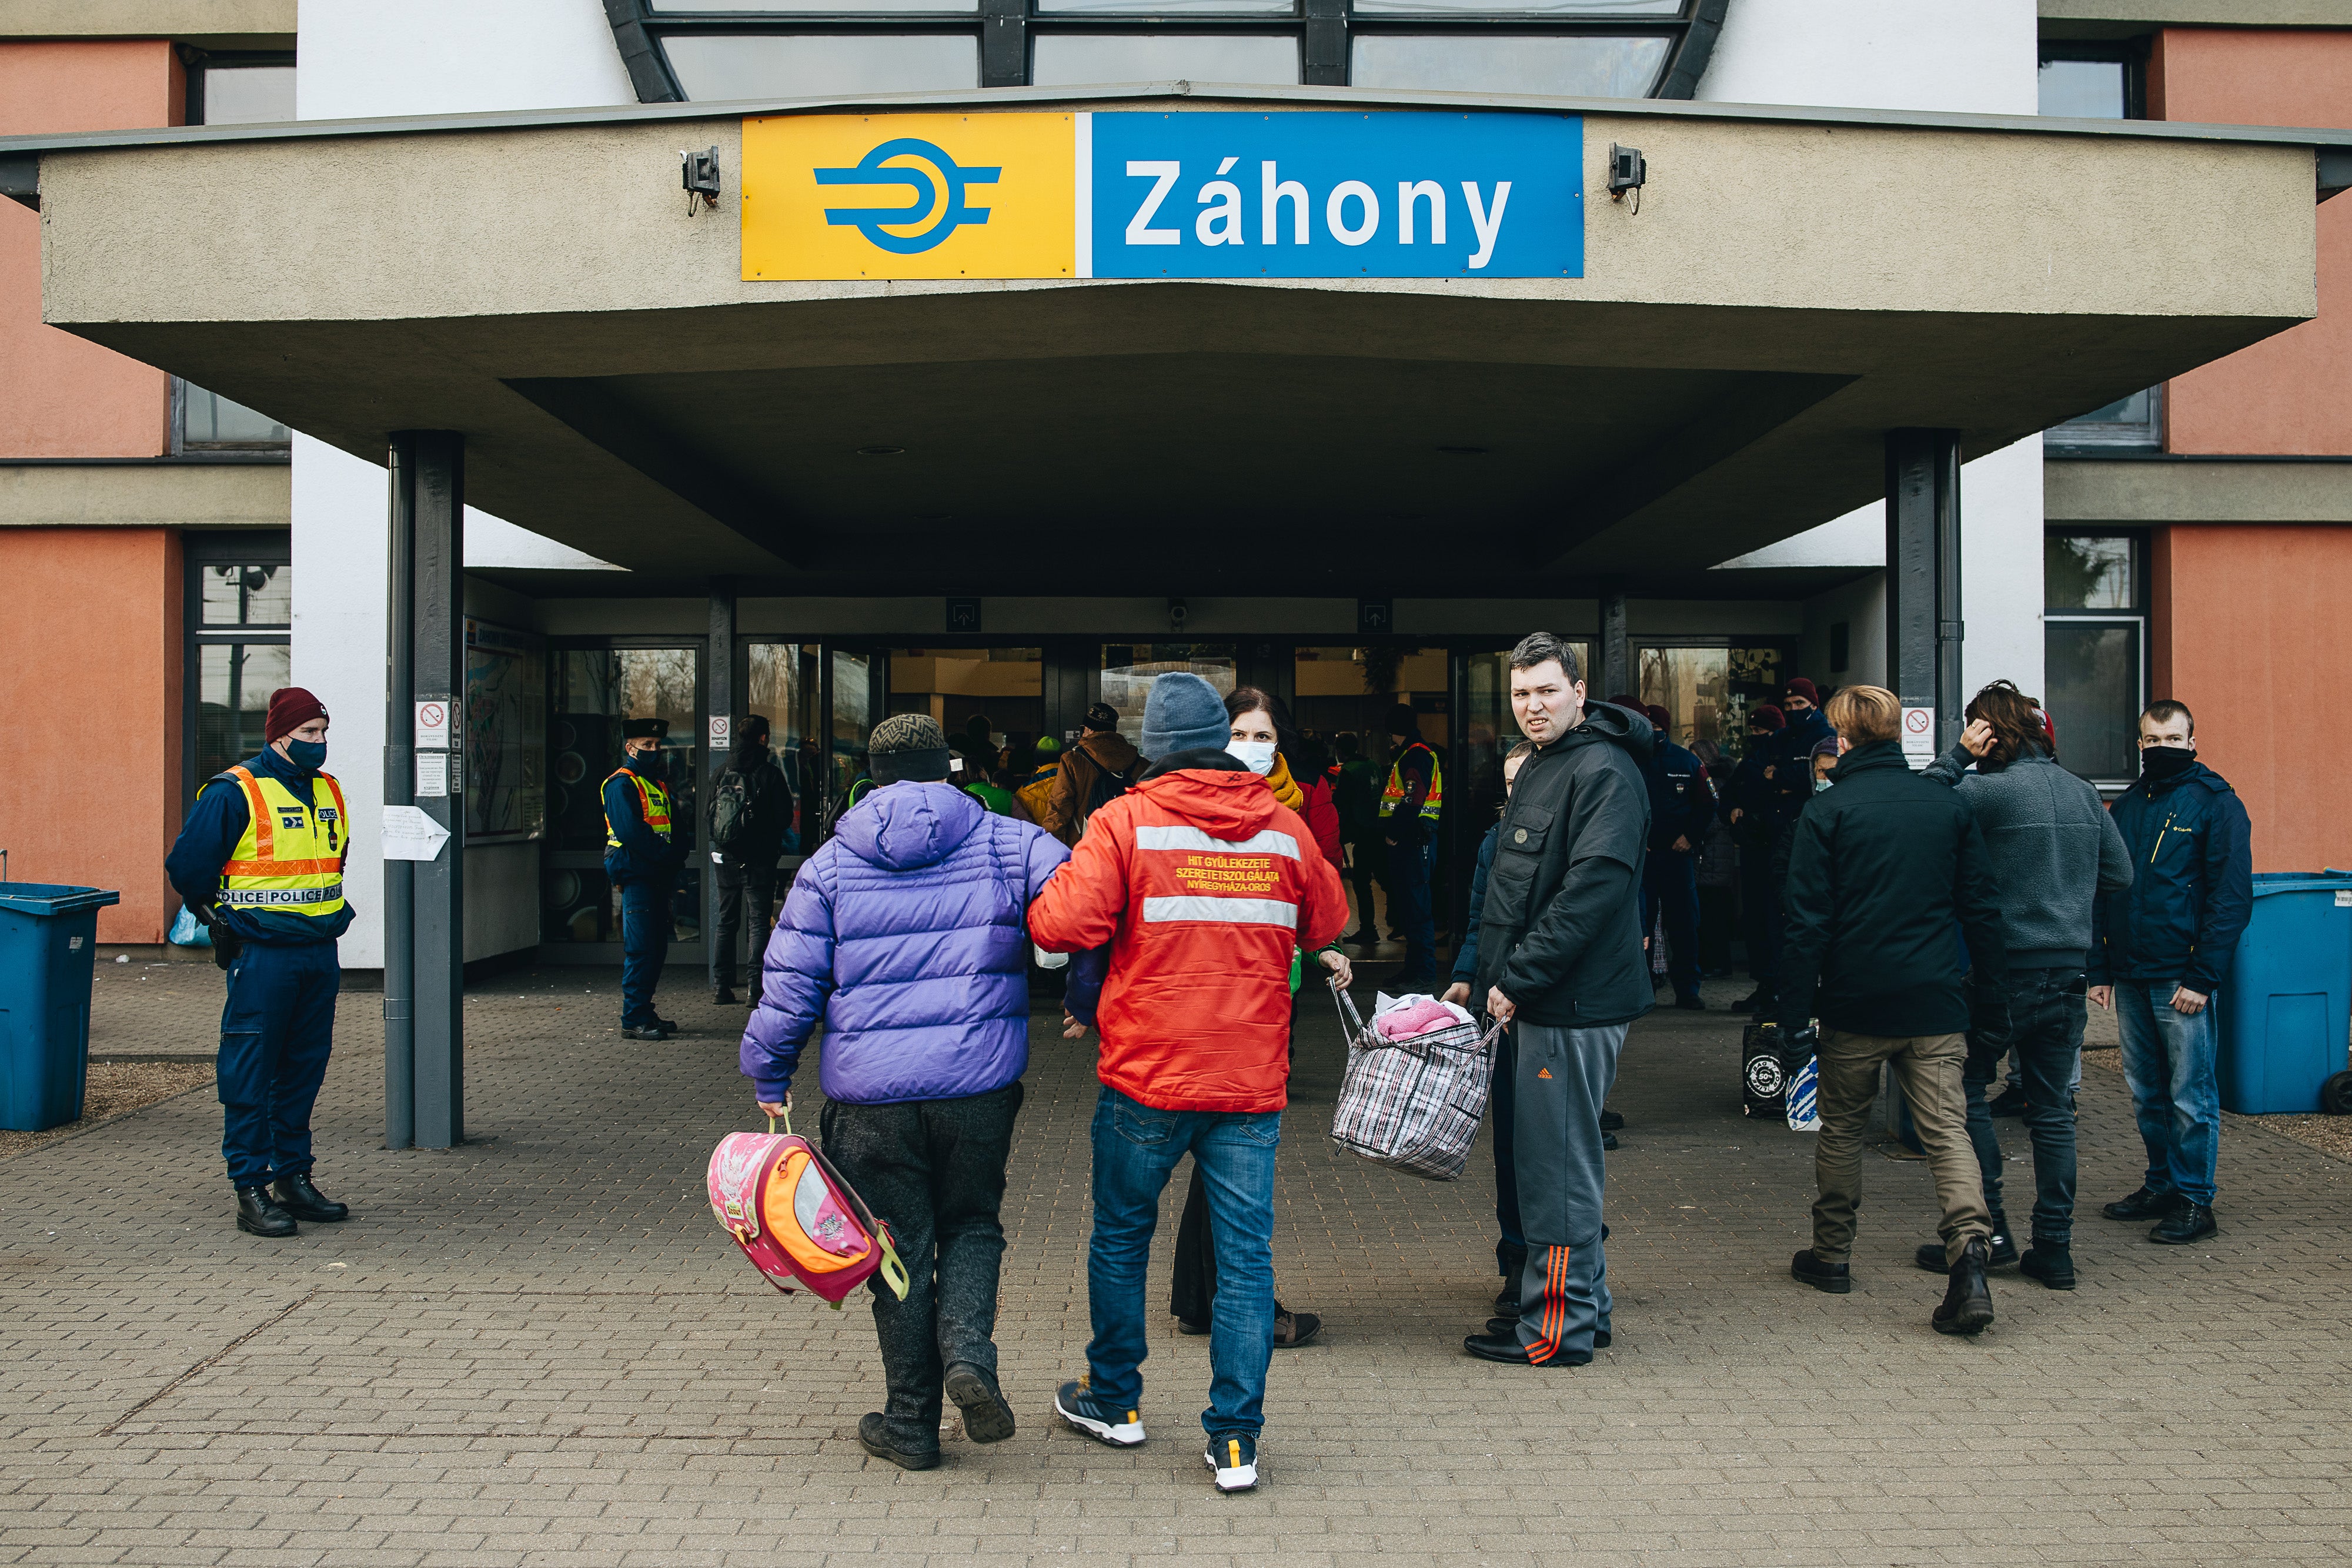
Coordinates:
1681 804
642 864
278 1025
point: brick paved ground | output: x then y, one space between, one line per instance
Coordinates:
539 1349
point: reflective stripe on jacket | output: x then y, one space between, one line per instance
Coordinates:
1393 795
290 860
653 801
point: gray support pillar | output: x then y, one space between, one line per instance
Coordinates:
725 704
1923 631
399 789
439 489
1616 672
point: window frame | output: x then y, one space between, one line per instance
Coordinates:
1005 28
2136 616
200 552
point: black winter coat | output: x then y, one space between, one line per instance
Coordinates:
1560 932
1882 867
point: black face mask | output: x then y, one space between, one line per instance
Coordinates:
2166 761
646 764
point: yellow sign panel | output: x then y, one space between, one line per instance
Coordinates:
841 196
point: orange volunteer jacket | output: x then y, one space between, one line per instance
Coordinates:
1202 883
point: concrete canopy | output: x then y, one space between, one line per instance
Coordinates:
1795 283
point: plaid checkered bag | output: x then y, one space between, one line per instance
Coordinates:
1412 1104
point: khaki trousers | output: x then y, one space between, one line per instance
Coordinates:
1927 1068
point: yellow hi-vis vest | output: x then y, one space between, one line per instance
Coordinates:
1393 795
652 799
290 860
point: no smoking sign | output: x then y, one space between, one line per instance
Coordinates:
1920 732
433 724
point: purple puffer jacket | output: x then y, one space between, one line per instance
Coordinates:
906 933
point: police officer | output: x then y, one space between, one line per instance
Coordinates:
1681 804
641 864
260 862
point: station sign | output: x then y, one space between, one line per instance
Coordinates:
1209 195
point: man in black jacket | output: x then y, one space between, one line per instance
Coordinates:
759 815
1682 803
1559 959
1882 866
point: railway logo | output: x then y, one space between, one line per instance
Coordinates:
936 187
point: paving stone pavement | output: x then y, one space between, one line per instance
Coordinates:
538 1348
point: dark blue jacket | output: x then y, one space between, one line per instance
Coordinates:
1750 794
216 824
2192 888
643 856
1681 802
1791 757
1466 960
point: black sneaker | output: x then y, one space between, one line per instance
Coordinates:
644 1031
1098 1417
1292 1329
1232 1456
722 996
2143 1205
1837 1279
2053 1266
1611 1121
874 1436
987 1419
2189 1222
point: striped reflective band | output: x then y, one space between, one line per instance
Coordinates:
1268 843
1230 911
282 867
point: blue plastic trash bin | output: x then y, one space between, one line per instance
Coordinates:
48 941
2287 1006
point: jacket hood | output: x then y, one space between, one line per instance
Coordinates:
1620 726
1224 805
901 826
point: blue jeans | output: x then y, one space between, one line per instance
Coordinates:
1408 867
644 947
2045 1014
1136 1148
2169 1062
277 1029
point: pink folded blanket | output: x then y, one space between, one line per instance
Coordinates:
1416 1018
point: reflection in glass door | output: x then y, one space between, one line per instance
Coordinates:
593 690
853 702
783 684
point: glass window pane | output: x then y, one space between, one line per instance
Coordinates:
2087 573
1166 7
2091 686
506 734
1129 668
785 686
2083 90
823 7
1694 686
234 684
852 720
1568 66
1757 677
999 692
1075 60
721 66
247 95
246 595
207 419
1519 7
595 689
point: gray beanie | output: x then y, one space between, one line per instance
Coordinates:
1184 713
907 749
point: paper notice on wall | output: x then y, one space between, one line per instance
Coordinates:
410 835
1918 735
432 775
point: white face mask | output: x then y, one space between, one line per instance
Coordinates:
1258 755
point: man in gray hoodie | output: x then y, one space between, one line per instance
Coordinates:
2054 850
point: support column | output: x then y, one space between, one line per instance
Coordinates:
1924 629
399 789
726 711
438 485
1616 674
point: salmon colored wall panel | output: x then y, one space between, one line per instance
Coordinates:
2253 618
112 825
63 396
2292 393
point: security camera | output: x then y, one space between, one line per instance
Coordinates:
1177 615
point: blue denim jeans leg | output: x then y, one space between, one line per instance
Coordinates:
1136 1147
2045 1010
2169 1062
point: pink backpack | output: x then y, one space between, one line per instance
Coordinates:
795 1219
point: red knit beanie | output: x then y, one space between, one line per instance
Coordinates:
289 710
1765 715
1802 687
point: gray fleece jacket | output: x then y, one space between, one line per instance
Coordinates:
2054 850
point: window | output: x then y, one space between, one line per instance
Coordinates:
231 90
2136 422
240 618
717 49
2095 651
2102 81
595 690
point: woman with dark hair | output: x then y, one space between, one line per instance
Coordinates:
1263 740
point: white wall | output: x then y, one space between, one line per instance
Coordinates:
361 58
1862 606
1975 57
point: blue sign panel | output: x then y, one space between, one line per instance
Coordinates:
1322 195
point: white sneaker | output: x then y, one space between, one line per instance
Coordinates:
1233 1458
1098 1417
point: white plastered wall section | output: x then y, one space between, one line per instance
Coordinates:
1967 56
362 57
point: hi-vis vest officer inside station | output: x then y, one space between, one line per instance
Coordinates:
641 862
260 862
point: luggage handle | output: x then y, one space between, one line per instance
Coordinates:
1351 1023
788 1124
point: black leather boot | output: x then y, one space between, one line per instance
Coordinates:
722 996
2053 1266
1967 1305
257 1214
2189 1222
298 1197
2143 1205
1807 1266
1931 1257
